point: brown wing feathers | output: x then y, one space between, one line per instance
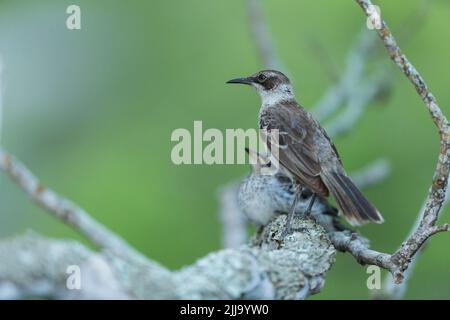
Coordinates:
298 154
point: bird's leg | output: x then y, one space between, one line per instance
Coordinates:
288 228
310 205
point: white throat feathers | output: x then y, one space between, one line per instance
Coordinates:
283 92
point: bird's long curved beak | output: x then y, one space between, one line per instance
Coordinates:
240 80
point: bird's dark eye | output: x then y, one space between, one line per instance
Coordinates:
262 78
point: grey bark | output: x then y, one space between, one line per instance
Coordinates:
270 267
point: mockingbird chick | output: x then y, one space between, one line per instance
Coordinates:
261 197
305 152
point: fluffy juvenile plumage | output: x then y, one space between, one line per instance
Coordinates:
261 197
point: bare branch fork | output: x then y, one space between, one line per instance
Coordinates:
391 289
427 226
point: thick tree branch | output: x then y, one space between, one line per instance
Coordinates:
33 266
36 267
269 268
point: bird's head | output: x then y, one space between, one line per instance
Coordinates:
271 85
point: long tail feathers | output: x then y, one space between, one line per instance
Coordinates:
355 207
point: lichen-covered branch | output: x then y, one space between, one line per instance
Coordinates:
271 267
357 246
36 267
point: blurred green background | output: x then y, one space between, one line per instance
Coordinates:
91 113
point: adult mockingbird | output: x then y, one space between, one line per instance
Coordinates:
305 152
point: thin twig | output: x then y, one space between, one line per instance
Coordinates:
351 77
392 290
372 174
396 291
64 209
357 103
358 247
261 36
324 58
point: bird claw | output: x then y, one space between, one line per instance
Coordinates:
286 231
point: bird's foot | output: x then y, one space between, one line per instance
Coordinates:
300 230
286 231
310 205
289 229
